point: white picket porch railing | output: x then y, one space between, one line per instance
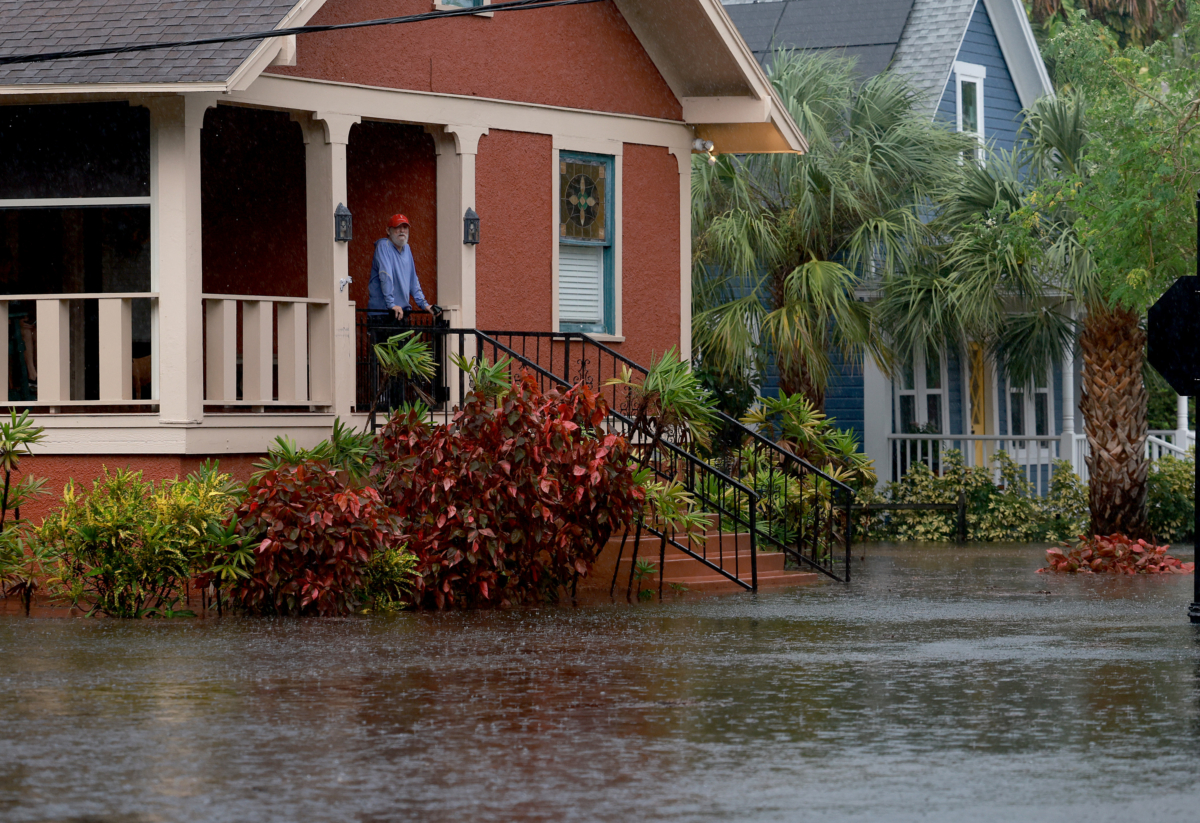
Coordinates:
285 353
56 354
1160 443
1036 455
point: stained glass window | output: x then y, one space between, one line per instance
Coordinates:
586 292
583 203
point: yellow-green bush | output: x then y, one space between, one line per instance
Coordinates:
128 548
996 511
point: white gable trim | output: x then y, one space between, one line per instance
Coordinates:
271 50
1020 50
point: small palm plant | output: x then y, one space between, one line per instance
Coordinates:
669 400
407 356
22 565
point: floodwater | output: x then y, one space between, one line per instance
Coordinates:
944 684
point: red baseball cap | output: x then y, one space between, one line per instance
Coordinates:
398 220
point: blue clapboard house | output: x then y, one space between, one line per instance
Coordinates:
976 65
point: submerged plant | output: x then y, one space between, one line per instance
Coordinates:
1114 554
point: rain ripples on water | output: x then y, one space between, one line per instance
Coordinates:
944 684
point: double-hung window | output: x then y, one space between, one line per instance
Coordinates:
921 396
969 78
586 295
1029 410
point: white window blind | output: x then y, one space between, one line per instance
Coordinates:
580 284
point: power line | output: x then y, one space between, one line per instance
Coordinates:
514 5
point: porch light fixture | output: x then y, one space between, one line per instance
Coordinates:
471 228
343 224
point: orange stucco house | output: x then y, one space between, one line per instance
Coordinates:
167 244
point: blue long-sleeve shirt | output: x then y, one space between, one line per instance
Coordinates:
394 278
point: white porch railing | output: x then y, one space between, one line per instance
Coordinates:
56 355
1160 443
285 353
1036 455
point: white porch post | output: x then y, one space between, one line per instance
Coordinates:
176 267
877 419
457 147
1181 422
1068 451
326 136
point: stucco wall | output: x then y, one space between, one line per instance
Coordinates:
513 260
649 252
579 56
391 168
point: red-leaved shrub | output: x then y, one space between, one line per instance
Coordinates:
1114 554
510 499
314 537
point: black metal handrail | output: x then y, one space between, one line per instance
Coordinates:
804 512
735 505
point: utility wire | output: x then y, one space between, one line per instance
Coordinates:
513 5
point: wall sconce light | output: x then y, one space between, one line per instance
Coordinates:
343 224
471 228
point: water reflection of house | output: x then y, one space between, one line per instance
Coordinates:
167 217
976 65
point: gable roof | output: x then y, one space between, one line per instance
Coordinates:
866 29
58 25
725 95
920 38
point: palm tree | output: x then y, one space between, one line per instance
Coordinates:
781 240
1137 22
1010 268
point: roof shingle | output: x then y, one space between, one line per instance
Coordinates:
38 26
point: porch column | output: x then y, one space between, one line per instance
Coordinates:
457 147
1181 422
331 350
1068 451
877 420
176 267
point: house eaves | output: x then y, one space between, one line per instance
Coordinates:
33 26
726 96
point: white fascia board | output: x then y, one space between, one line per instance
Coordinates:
108 89
1020 50
268 50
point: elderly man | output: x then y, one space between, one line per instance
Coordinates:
393 274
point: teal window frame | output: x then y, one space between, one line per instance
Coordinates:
609 325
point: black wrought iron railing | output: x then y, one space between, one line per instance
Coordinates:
748 483
802 511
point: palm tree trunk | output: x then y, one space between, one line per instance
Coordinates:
795 378
1113 403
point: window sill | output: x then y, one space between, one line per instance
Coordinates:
607 338
440 6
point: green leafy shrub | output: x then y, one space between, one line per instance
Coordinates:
22 564
794 423
1172 498
127 548
1008 510
512 498
314 537
387 581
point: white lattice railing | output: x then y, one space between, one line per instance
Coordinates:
285 352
